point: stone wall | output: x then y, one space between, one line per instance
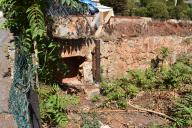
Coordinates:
80 48
132 42
123 54
127 43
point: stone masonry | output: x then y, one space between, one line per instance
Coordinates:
119 56
132 42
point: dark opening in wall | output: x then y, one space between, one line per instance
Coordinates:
73 66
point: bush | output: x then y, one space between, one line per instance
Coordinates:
144 3
183 11
190 13
166 78
141 11
119 89
182 113
131 6
142 79
119 6
172 12
157 10
53 105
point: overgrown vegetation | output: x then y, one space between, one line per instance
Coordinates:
183 112
54 104
28 22
159 77
160 9
26 19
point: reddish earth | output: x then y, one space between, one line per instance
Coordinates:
133 28
160 101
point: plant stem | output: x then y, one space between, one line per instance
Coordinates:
36 63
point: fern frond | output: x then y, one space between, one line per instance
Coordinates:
36 21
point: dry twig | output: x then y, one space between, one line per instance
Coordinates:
150 111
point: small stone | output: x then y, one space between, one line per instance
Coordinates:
103 125
1 14
85 109
91 92
74 117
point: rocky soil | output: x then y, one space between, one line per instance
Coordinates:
112 117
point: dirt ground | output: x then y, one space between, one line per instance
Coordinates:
129 29
159 101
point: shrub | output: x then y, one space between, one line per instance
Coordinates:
157 10
169 77
185 59
142 79
119 90
182 11
172 12
53 105
144 3
190 13
178 74
122 103
119 6
131 6
182 113
142 11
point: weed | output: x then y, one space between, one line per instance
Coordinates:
164 52
182 113
53 105
96 98
169 77
90 120
122 103
119 90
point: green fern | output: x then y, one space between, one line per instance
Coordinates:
36 21
53 105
